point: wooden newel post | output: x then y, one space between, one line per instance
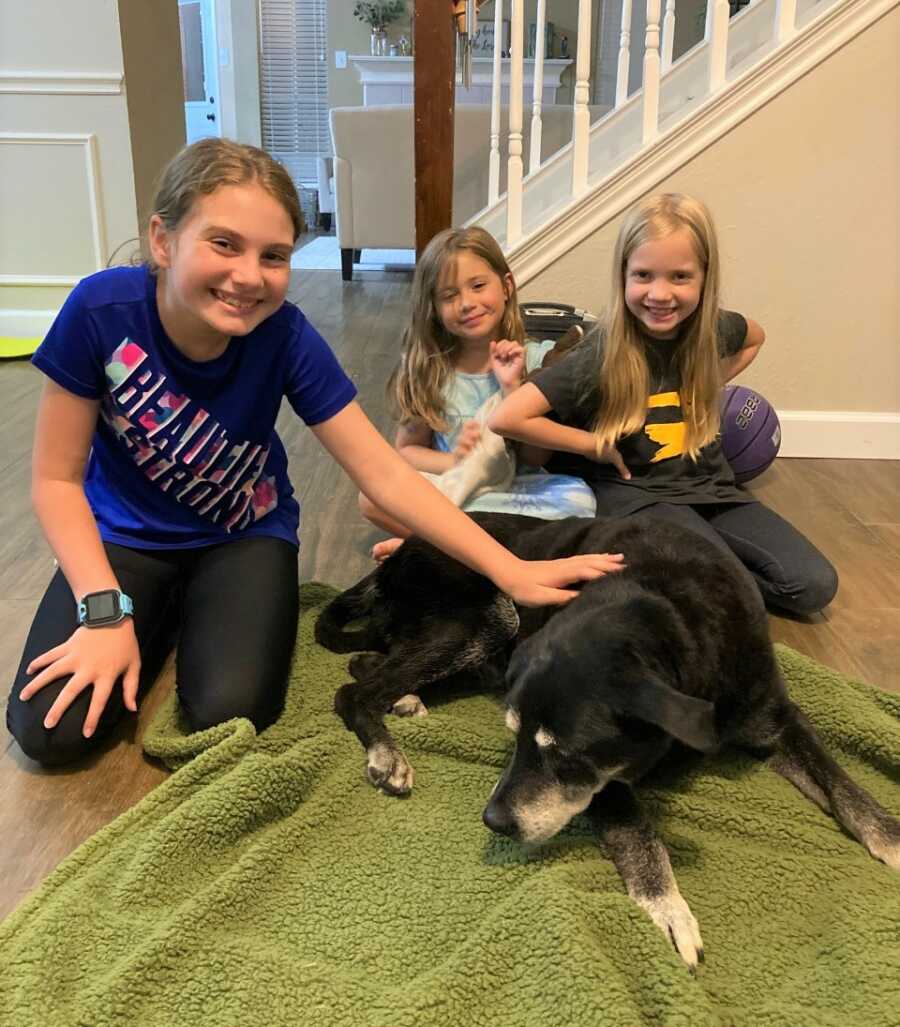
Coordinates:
434 98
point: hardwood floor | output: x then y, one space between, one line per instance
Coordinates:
850 509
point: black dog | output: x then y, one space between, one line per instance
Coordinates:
676 647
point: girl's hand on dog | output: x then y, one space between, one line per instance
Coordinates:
466 441
508 364
540 582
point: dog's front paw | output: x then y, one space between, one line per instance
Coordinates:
364 665
409 706
388 769
673 917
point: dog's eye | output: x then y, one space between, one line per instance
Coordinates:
544 738
512 720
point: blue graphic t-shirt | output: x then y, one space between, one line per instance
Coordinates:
185 452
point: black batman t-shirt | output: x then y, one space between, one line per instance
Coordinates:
660 470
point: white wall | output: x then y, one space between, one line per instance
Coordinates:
66 179
67 147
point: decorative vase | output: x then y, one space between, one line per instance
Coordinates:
384 45
375 43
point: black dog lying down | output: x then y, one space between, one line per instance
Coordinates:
676 647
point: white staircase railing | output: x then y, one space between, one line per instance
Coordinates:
581 118
540 40
514 170
671 88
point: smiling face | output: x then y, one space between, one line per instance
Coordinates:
471 298
663 283
224 269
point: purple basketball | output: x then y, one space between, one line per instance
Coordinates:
751 432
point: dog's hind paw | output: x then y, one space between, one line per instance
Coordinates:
673 917
887 850
388 769
409 706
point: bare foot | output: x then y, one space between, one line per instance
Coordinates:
382 550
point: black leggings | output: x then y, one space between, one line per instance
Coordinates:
791 573
233 608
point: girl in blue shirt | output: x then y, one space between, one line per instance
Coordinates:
162 486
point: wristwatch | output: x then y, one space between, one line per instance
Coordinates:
109 606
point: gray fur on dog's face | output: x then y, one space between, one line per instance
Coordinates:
569 742
543 787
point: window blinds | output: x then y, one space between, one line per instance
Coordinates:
293 73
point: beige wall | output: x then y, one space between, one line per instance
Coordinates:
805 196
151 52
347 33
237 29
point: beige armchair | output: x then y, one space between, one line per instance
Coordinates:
374 170
325 183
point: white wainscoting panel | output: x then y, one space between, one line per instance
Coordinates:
26 324
52 209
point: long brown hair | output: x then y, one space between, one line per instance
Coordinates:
415 389
202 167
624 381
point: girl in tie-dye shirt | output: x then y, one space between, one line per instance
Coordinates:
465 342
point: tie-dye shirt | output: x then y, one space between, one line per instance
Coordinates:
185 452
533 492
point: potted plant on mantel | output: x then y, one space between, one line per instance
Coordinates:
378 14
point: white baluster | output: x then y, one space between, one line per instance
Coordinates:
534 159
624 55
785 19
717 40
516 77
651 72
497 72
668 35
581 119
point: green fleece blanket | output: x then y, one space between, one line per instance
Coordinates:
266 883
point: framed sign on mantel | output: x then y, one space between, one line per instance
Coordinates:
483 42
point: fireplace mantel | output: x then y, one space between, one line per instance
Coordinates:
387 80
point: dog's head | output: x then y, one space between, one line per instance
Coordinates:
587 705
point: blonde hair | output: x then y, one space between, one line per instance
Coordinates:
624 381
415 389
202 167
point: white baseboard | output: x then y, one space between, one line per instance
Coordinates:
26 324
842 434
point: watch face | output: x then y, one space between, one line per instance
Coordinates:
102 607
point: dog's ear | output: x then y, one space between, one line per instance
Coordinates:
690 720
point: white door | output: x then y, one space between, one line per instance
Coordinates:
200 68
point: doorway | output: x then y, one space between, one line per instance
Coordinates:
199 59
